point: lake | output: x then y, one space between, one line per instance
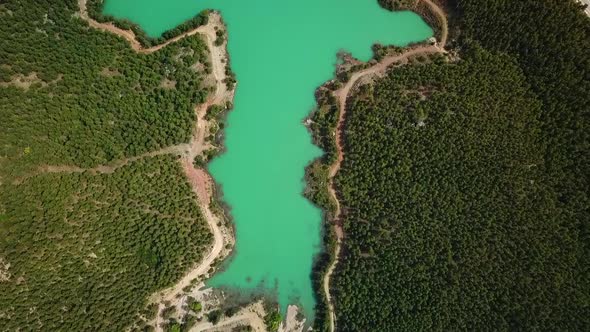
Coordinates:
281 51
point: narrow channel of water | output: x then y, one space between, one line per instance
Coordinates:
281 51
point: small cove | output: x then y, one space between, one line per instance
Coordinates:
281 51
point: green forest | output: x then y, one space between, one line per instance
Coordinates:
83 251
90 99
465 184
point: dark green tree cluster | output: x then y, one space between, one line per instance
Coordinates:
451 220
95 10
93 99
200 19
85 251
220 37
214 316
551 41
273 320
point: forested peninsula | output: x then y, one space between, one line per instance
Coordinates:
464 183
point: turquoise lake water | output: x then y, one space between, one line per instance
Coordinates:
281 51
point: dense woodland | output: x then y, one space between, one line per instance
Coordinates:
83 251
91 98
465 184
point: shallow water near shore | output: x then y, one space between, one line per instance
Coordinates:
281 51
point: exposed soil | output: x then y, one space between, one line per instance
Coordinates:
291 323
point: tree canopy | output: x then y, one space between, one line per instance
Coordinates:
464 185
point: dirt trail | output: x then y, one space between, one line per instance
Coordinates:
342 95
444 24
112 167
179 150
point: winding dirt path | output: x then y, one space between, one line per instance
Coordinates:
342 96
444 24
178 150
